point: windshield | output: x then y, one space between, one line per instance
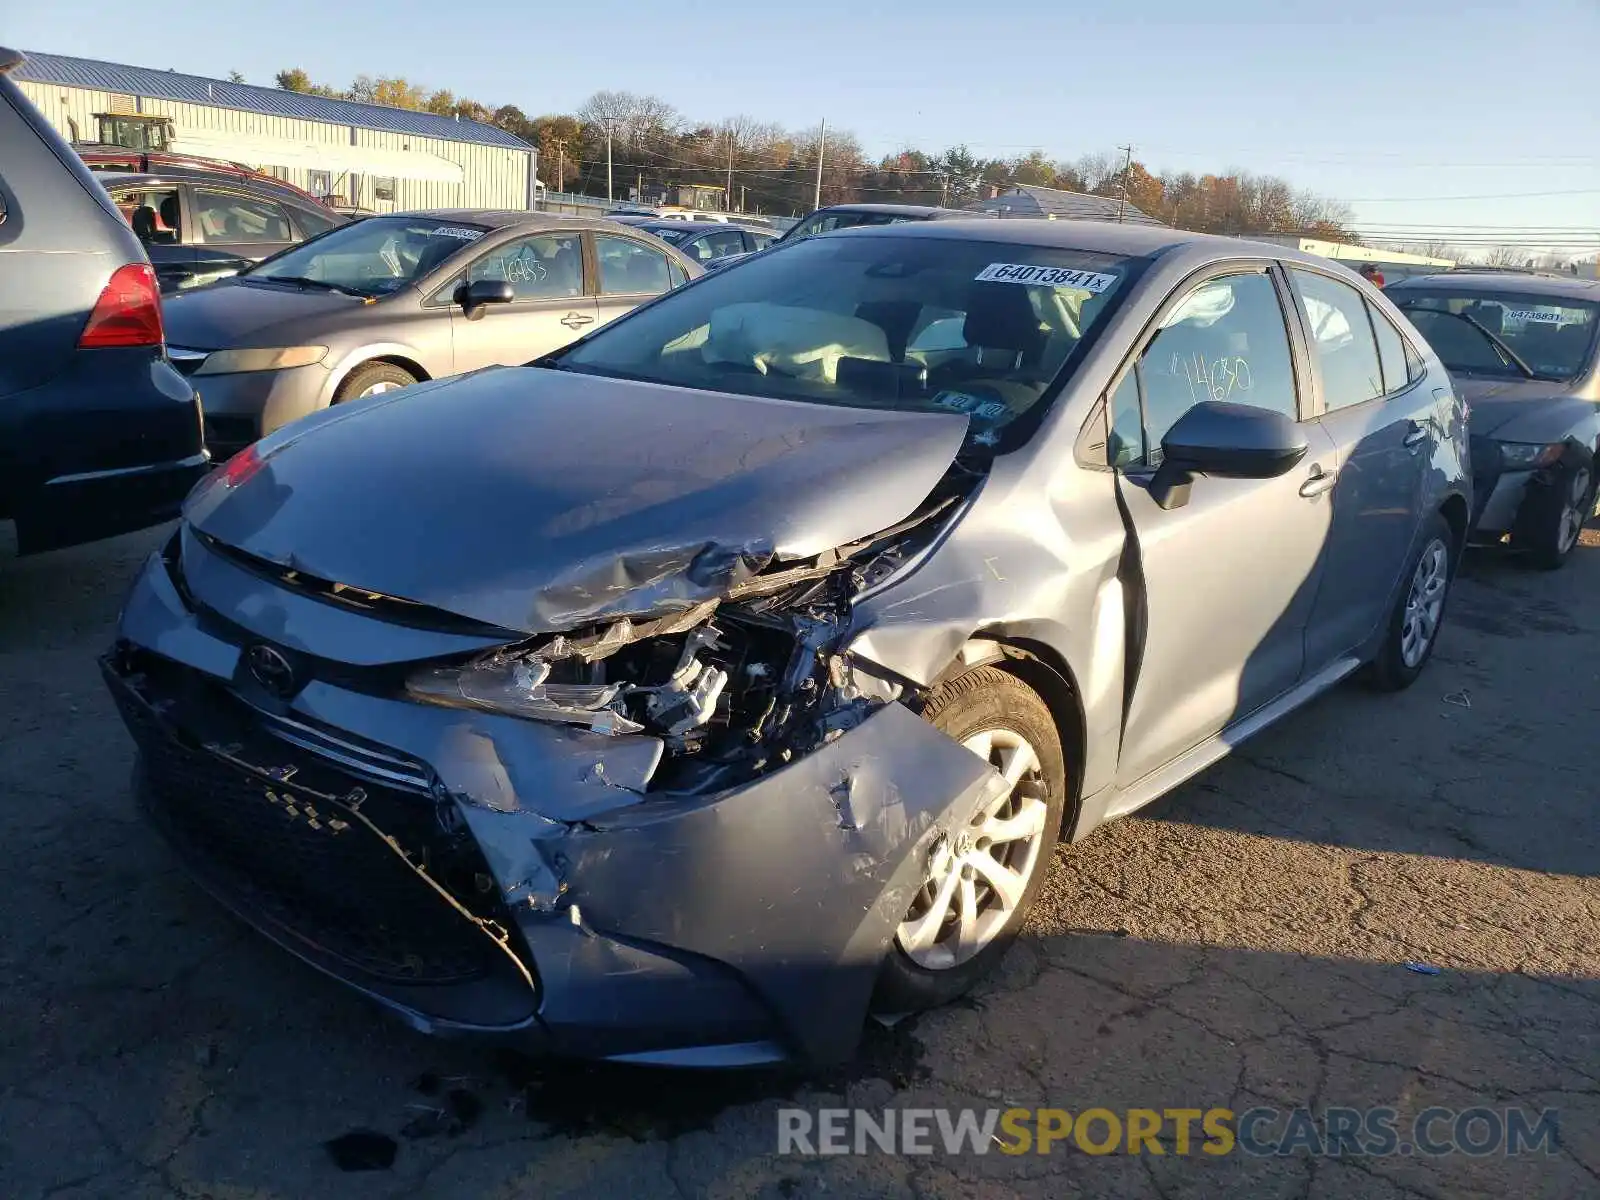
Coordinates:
920 323
1551 336
372 257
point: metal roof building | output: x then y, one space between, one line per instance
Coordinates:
1026 200
367 154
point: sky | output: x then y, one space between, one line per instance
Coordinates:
1429 118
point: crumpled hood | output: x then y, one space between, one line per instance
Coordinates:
540 500
1492 404
231 313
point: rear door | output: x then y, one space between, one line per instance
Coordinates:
545 271
155 213
627 272
230 230
1381 424
1230 576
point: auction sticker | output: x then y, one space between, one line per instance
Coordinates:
455 231
1535 314
1061 277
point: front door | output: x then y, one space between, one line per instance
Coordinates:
1229 577
550 308
230 231
1382 432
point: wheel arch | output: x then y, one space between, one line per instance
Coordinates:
1042 668
1456 514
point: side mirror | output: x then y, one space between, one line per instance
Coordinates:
472 297
1216 438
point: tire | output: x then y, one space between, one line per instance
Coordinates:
983 706
1554 515
370 379
1429 573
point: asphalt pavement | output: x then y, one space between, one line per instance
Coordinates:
1384 902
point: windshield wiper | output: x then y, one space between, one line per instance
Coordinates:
323 284
1511 357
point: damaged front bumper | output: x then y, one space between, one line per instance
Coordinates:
482 873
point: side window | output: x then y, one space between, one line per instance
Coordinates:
544 267
677 274
312 223
320 183
629 268
153 213
1341 340
717 245
759 241
1391 353
225 217
1125 446
1225 340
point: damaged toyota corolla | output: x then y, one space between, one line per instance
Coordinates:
683 696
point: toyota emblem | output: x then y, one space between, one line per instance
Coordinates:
271 670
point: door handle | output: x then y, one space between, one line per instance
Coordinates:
1415 438
1319 482
575 320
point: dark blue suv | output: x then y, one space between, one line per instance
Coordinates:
99 434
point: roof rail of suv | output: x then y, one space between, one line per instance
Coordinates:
118 158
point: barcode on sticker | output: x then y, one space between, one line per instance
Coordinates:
455 231
1061 277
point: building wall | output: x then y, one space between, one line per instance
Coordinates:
493 176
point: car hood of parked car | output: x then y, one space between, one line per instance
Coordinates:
1519 409
542 500
237 313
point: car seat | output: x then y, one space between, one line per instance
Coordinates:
1002 324
143 221
172 218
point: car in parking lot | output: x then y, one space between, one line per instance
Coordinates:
681 695
1524 349
199 223
98 434
851 216
386 301
709 242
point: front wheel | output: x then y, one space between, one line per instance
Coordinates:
1549 525
372 379
1413 627
983 874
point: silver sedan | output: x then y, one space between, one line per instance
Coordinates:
391 300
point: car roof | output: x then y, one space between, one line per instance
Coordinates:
1527 283
925 211
222 177
500 218
703 226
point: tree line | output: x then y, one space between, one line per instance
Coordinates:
771 169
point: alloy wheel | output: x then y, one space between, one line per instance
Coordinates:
978 875
1573 514
1424 603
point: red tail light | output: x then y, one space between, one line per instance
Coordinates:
128 312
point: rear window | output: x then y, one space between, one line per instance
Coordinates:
874 321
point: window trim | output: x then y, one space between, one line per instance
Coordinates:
193 220
1302 318
1292 332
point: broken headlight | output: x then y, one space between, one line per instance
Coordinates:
518 687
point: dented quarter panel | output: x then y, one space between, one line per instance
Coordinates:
552 520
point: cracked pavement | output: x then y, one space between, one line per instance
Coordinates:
1241 942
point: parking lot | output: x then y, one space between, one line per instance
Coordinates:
1242 942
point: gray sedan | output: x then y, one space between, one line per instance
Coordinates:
738 667
1525 351
390 300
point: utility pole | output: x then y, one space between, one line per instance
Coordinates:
610 191
727 196
561 166
822 144
742 191
1127 165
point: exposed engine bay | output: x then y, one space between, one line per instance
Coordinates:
734 686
